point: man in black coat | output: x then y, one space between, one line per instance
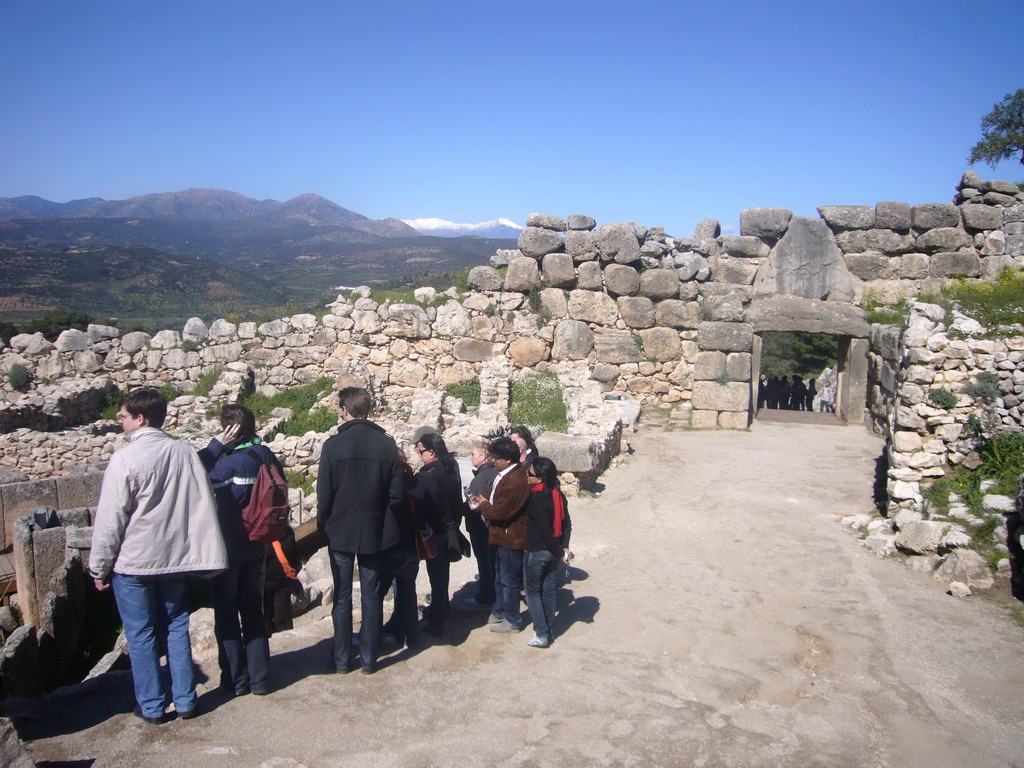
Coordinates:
359 480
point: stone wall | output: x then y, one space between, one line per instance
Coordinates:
939 352
618 309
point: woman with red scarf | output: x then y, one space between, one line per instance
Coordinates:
547 542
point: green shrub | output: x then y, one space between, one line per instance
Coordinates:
941 397
316 420
536 399
467 391
111 405
53 323
874 312
207 382
985 387
170 391
18 377
991 303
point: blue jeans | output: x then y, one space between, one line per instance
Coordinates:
508 580
371 601
155 617
540 572
243 649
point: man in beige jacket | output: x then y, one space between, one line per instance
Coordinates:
155 522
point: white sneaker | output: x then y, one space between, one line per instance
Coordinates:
538 642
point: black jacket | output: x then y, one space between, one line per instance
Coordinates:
359 480
438 496
540 524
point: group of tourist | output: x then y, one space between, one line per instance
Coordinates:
166 511
794 394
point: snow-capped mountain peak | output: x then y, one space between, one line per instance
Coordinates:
440 228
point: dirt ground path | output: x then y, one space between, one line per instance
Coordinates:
718 616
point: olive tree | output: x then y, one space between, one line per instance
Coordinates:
1002 131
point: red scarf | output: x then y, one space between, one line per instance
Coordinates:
559 502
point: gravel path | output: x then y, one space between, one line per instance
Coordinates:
718 616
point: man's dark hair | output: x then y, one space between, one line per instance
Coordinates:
356 401
233 413
148 403
504 448
523 431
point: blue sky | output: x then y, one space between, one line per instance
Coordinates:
664 113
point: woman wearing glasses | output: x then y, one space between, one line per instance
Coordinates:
438 499
548 528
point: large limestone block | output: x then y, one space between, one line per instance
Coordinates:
934 215
943 239
967 567
735 271
558 270
578 221
711 395
636 311
884 240
72 340
981 217
658 284
675 313
32 344
961 263
807 263
546 221
921 537
767 223
618 243
573 340
474 351
535 242
222 330
581 245
709 366
744 246
890 215
661 344
613 346
523 275
727 308
726 337
570 453
484 278
195 330
843 217
588 276
737 366
873 265
166 339
527 351
593 307
621 280
407 321
452 320
134 341
787 313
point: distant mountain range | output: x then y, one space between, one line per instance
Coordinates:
272 251
442 228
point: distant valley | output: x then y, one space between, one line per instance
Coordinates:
202 251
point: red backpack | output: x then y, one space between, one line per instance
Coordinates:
266 515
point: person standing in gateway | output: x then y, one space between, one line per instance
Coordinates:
359 480
156 520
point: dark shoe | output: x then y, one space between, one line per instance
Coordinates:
369 670
260 691
472 604
164 718
433 629
188 714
